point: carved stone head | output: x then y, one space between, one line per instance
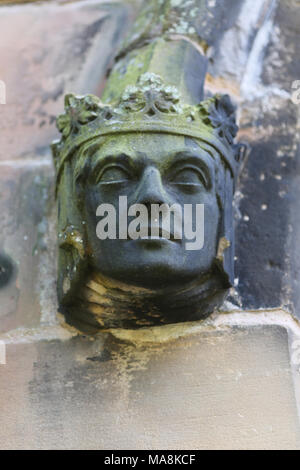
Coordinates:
147 148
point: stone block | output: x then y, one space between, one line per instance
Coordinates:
213 389
27 245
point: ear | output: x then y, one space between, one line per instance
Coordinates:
72 255
242 150
80 179
224 259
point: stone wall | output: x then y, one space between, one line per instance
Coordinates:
230 382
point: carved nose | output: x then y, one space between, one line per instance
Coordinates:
151 190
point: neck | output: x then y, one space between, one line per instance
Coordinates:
104 303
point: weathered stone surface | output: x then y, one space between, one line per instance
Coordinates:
268 200
256 62
281 64
8 2
203 21
49 50
28 245
210 390
268 191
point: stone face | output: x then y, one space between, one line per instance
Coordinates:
209 390
151 139
149 148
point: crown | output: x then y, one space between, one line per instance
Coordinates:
149 106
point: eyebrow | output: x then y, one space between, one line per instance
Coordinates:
121 158
200 158
189 154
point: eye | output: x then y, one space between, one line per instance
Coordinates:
113 174
189 176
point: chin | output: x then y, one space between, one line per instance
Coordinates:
151 264
151 272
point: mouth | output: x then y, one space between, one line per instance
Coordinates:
163 235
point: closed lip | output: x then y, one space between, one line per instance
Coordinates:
163 234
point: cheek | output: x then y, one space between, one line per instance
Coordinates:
211 216
211 204
211 207
91 201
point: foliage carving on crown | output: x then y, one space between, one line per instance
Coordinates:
149 98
